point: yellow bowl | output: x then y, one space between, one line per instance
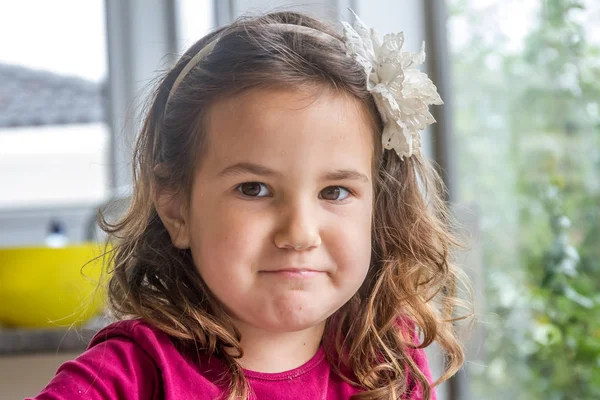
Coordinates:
43 287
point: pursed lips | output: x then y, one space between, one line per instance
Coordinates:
293 272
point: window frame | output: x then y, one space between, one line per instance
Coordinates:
138 34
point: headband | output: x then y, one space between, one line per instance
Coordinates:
401 92
211 45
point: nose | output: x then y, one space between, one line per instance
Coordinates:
299 228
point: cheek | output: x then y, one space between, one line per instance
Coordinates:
224 238
349 242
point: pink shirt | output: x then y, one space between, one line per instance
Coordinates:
133 360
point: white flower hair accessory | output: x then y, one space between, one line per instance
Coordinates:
402 92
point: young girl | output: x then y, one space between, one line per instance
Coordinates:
286 237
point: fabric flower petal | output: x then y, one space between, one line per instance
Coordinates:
401 92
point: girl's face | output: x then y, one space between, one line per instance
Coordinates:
279 222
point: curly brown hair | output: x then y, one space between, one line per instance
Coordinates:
411 276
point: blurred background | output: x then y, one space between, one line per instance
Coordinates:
518 143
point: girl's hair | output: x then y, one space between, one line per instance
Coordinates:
411 278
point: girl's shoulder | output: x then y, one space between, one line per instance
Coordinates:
125 360
118 363
136 331
134 340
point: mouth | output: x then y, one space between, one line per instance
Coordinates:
293 273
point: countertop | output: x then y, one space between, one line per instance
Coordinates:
56 340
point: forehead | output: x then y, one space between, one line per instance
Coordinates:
284 128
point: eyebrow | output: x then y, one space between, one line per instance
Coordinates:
261 170
246 167
345 174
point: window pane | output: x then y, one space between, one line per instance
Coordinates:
526 80
53 135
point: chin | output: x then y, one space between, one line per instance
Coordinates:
292 326
294 320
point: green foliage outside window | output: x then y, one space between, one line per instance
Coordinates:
528 131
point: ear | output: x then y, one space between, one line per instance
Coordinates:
172 212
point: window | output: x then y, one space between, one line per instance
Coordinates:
53 136
526 79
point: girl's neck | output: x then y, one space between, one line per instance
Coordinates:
278 352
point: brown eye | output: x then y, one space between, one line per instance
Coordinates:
252 189
334 193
